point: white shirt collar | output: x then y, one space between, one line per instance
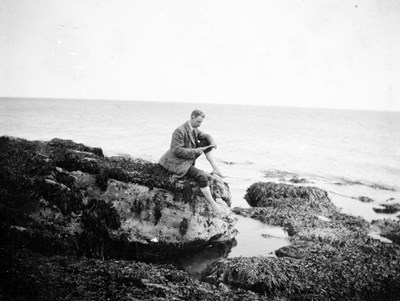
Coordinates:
191 128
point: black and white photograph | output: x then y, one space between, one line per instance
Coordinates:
199 150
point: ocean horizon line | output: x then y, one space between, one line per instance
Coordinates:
198 103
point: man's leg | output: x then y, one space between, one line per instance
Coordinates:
211 159
216 171
201 179
216 207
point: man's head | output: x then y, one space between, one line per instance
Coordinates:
196 118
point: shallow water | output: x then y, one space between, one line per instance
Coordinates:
344 197
256 238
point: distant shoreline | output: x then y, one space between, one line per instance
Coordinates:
199 104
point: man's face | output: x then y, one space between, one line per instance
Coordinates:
196 122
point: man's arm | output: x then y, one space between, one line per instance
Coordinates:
178 146
201 135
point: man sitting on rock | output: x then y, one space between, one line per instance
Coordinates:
187 144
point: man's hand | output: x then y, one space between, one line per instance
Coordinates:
207 147
199 151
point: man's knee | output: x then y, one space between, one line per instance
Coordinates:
199 176
202 180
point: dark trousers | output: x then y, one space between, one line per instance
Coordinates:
198 175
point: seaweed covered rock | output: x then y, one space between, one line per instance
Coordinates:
61 197
388 208
296 208
368 270
26 275
280 196
388 228
365 199
331 255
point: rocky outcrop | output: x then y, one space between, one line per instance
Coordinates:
278 195
64 198
331 256
30 276
296 208
388 208
365 199
61 197
388 228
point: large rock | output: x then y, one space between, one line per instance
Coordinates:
278 195
296 208
68 198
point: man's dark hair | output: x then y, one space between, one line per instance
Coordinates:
197 113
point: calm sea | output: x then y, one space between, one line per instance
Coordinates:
347 153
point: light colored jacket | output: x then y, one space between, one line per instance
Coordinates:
181 154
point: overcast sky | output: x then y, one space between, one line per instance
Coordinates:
312 53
